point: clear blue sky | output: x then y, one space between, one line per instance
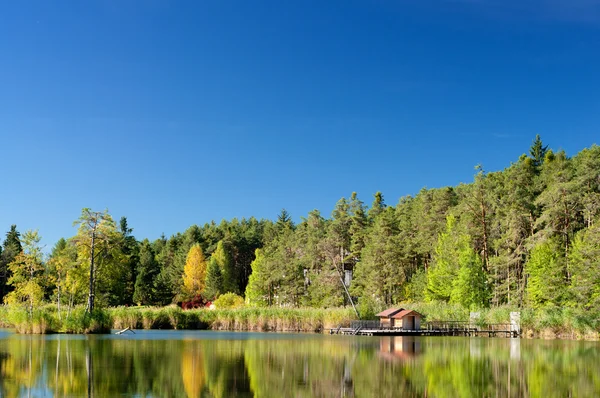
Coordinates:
174 113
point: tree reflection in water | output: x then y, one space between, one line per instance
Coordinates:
213 364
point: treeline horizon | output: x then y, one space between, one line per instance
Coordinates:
525 236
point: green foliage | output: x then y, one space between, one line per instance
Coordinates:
259 291
546 282
223 258
80 320
229 301
214 280
538 151
147 273
415 289
10 249
523 236
382 271
27 273
98 249
457 275
470 286
284 220
584 265
368 308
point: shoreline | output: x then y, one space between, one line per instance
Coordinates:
46 320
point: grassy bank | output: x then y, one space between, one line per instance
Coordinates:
47 320
253 319
543 323
552 322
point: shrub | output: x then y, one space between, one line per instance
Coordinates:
196 302
229 301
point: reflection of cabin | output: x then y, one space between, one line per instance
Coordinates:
400 347
399 318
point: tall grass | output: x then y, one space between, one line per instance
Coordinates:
40 321
80 321
46 319
246 318
547 322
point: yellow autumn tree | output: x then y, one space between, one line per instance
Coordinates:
194 272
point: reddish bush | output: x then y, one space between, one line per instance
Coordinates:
196 302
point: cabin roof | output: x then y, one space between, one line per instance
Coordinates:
403 313
389 312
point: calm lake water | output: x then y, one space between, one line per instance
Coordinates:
230 364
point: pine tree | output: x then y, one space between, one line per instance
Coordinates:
223 257
261 287
585 269
284 220
357 226
377 206
11 248
445 263
147 273
214 280
538 151
469 289
131 256
194 272
546 275
457 274
381 274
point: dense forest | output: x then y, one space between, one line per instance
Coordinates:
525 236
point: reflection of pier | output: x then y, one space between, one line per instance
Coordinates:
435 328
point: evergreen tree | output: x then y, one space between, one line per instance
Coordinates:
131 256
261 286
470 286
587 182
379 275
457 275
223 257
477 200
516 214
377 206
445 266
585 269
147 274
358 226
538 151
10 249
560 202
546 275
214 280
284 220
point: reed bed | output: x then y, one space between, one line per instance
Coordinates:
46 319
246 318
546 322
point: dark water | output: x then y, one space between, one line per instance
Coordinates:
222 364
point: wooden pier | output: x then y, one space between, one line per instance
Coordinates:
435 328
